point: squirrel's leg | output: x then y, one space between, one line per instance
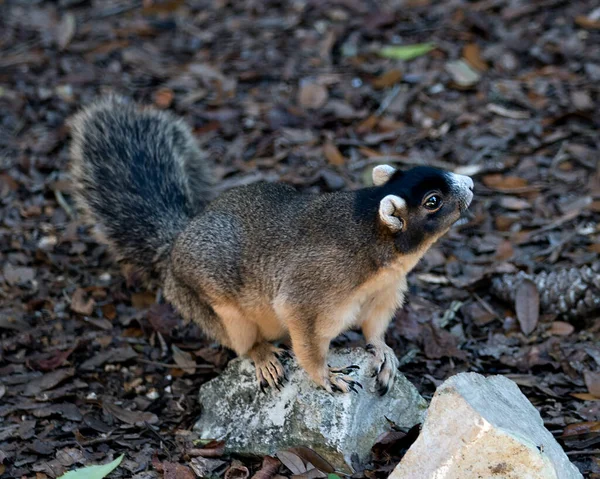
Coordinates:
377 316
243 336
311 351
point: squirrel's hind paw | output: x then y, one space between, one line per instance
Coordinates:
338 380
385 367
269 370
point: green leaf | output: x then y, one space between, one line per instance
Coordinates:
93 472
333 476
406 52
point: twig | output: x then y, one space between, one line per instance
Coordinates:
387 101
64 204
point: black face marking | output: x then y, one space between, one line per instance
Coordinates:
425 218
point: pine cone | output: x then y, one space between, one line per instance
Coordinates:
572 293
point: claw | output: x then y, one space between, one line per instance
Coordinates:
263 385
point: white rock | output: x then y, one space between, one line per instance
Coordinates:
479 427
340 427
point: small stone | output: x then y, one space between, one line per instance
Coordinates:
337 426
484 427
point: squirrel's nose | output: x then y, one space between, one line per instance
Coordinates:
464 180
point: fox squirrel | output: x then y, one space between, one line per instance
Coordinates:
263 262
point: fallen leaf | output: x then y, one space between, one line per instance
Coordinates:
237 471
527 306
500 182
17 274
585 396
65 30
81 304
184 360
312 95
581 428
388 79
561 328
462 74
292 461
592 382
130 417
313 458
173 470
513 203
507 113
53 362
163 98
269 468
211 449
587 22
203 467
94 472
113 355
333 155
47 381
143 300
406 52
367 125
472 55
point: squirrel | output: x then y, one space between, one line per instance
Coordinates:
263 262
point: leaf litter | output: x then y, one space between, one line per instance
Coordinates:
93 367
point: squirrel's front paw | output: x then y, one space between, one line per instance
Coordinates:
337 380
385 366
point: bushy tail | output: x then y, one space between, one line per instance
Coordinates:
138 176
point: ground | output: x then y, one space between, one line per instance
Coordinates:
91 366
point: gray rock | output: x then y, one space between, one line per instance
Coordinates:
340 427
484 427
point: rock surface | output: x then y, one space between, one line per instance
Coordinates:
484 427
340 427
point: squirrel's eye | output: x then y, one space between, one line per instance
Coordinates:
432 202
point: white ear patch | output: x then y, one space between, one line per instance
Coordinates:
387 207
382 173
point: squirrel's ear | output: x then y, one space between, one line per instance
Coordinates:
382 173
392 209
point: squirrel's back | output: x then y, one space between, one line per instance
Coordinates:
139 177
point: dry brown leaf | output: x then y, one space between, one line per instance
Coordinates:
527 306
333 155
81 304
163 98
184 360
585 396
237 471
561 328
367 124
581 428
500 182
269 468
592 382
587 22
312 96
388 79
472 54
143 300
